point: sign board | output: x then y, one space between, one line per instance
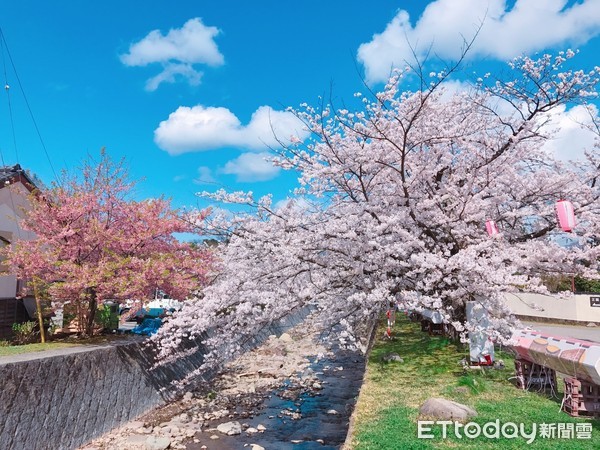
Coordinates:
479 344
595 302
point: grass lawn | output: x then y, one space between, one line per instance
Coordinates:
71 341
387 410
18 349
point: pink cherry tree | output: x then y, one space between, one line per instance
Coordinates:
95 242
392 206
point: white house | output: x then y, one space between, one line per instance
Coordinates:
15 189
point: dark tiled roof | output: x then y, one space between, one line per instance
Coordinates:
13 174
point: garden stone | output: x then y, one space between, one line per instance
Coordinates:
591 324
440 408
257 447
230 428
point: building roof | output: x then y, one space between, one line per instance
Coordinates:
14 174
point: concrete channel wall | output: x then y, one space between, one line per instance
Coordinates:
65 400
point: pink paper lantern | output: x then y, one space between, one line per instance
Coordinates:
491 227
566 215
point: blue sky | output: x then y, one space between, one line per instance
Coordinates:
185 90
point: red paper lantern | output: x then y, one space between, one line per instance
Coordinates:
566 215
491 227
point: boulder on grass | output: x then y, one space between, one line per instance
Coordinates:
389 357
440 408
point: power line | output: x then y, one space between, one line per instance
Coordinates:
10 112
5 47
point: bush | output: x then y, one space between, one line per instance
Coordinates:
557 283
106 318
25 332
587 285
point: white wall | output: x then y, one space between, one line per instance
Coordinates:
14 200
576 307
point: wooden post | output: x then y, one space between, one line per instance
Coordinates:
38 307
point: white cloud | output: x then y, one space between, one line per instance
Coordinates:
201 128
573 136
177 51
450 88
205 176
171 72
569 131
529 26
252 167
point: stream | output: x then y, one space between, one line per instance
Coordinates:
296 417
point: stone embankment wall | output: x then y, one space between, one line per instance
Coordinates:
63 401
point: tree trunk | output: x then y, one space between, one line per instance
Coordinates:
91 313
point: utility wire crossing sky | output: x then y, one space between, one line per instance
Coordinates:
195 94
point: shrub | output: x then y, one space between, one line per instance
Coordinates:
25 332
106 318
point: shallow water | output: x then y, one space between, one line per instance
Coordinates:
340 390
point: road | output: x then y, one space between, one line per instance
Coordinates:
574 331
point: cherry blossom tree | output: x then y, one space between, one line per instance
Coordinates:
94 242
393 203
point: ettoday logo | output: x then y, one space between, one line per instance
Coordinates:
508 430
